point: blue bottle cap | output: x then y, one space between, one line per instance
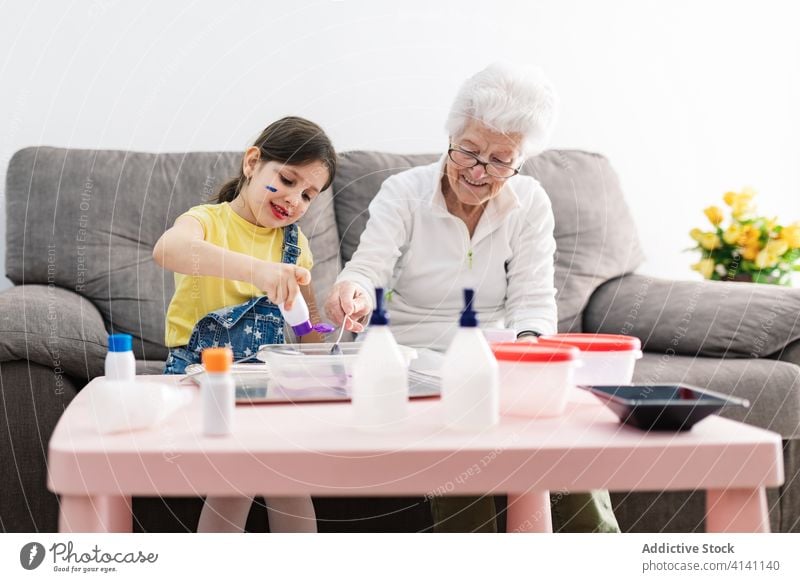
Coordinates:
468 316
120 342
379 315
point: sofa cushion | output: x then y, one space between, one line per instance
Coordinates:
87 221
595 235
771 386
705 318
53 327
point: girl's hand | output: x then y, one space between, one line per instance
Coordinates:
526 339
347 298
281 282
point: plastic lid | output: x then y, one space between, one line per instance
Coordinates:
379 315
120 342
594 342
303 328
323 328
525 352
217 359
468 316
306 328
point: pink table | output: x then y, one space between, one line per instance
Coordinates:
310 449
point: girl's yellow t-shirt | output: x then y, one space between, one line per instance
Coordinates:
198 295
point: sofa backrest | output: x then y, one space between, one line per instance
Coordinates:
595 235
87 221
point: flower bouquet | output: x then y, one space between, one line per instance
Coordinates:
750 247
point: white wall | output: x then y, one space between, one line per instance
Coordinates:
688 99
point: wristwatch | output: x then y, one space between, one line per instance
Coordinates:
528 333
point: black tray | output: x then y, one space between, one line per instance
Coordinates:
662 407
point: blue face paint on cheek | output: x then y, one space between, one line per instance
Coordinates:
271 189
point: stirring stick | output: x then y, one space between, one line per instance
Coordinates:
336 349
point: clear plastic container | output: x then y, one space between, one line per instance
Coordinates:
301 366
535 381
607 358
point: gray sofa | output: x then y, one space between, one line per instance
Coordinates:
82 225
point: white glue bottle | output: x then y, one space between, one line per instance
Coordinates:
120 362
470 376
218 392
299 318
380 375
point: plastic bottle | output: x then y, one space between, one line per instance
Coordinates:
380 375
120 363
470 376
299 318
218 391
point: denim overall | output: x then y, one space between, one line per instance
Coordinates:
243 328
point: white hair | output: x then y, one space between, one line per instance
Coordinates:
509 99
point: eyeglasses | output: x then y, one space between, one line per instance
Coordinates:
467 159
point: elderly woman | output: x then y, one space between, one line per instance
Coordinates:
469 220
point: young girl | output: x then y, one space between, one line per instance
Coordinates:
235 261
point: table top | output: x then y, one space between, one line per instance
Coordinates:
287 449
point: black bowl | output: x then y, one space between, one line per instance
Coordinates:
667 407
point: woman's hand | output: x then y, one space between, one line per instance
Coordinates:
280 281
348 299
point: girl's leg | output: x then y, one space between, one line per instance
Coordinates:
224 514
291 515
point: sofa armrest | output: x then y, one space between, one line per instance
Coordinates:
53 327
697 318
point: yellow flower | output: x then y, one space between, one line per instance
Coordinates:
705 267
732 234
749 252
729 197
740 202
749 236
776 247
696 234
741 208
710 241
714 215
791 234
766 259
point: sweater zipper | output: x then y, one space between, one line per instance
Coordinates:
470 254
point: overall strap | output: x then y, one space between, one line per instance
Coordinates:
290 250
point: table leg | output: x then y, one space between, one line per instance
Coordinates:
737 510
529 512
101 513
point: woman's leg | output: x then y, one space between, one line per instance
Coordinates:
453 514
291 515
224 514
583 512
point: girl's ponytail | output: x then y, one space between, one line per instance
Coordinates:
229 190
291 140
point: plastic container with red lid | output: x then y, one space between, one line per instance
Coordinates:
607 358
535 380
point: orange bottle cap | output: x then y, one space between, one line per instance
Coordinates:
217 359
